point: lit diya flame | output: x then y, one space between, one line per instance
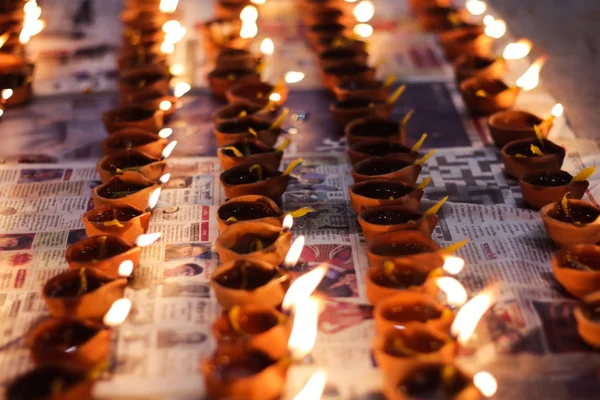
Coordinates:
314 387
486 383
455 292
7 94
165 105
495 28
249 14
304 330
476 7
165 133
169 149
558 110
3 38
32 24
165 178
470 314
293 254
147 239
293 76
364 11
288 222
531 78
363 30
258 2
154 197
248 30
168 6
275 97
126 269
453 265
167 47
118 312
303 287
267 47
519 49
181 88
176 69
174 31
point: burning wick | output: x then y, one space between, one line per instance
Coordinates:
486 383
531 78
165 105
516 51
294 253
363 30
153 200
165 133
118 312
470 314
169 149
126 269
313 389
288 222
558 110
275 97
147 239
455 292
304 329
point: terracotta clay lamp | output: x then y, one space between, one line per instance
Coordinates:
230 9
571 222
144 78
369 89
241 373
133 191
375 128
251 239
511 125
123 221
587 316
382 192
258 94
153 100
530 155
411 308
220 34
338 57
82 293
247 128
231 58
16 77
134 162
389 167
127 140
249 281
346 111
78 343
232 112
256 179
404 245
221 80
381 220
260 328
577 268
132 116
316 33
545 187
488 67
50 383
250 150
334 76
484 96
367 148
470 40
399 351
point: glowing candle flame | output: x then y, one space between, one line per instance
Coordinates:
275 97
314 387
171 26
3 38
453 265
519 49
293 76
249 14
165 132
304 330
293 254
7 94
302 288
455 292
167 47
470 314
118 312
249 30
32 24
531 78
363 30
486 383
476 7
364 11
165 105
558 110
267 47
154 197
176 69
165 178
288 222
169 149
168 6
496 29
147 239
258 2
126 269
181 89
488 20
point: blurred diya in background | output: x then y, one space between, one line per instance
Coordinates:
220 80
220 34
570 222
16 78
544 187
258 94
577 268
153 99
132 163
325 31
341 56
123 221
369 89
346 111
239 129
132 116
335 75
50 383
233 112
144 78
250 150
230 9
124 141
231 58
383 192
469 40
587 315
484 66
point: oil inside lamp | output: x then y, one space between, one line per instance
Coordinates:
117 314
470 314
313 389
516 51
531 78
169 149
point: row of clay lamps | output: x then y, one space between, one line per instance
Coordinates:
71 348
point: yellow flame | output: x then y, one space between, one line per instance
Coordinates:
165 178
169 149
165 105
436 207
258 2
496 29
248 30
531 78
7 94
293 254
118 312
486 383
304 329
453 265
267 47
364 11
584 174
558 110
165 133
32 24
476 7
304 286
455 292
249 13
517 50
288 222
167 47
314 387
126 269
470 314
275 97
154 197
3 38
294 76
168 6
363 30
147 239
176 69
181 88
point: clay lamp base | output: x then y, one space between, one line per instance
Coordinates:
577 268
131 116
372 90
579 225
471 41
587 316
436 18
381 192
230 9
374 128
102 253
129 140
408 309
244 128
220 34
221 80
339 57
249 150
80 344
50 383
390 168
545 187
255 179
153 100
257 240
231 58
233 112
485 96
316 33
82 293
367 148
17 78
511 125
519 156
123 221
257 94
487 67
381 220
133 191
144 78
435 381
234 372
406 245
259 328
346 111
249 282
134 162
335 76
417 346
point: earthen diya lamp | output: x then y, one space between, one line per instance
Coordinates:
16 75
366 148
326 15
437 18
246 128
411 308
260 328
488 67
326 43
544 187
318 32
417 346
141 57
587 315
340 56
132 116
418 5
220 34
236 372
50 383
123 221
144 34
249 150
78 343
221 80
249 281
133 191
388 167
346 111
153 100
256 179
404 245
470 40
257 94
230 9
144 78
374 128
529 155
132 139
334 76
370 89
381 220
382 192
577 268
485 96
134 162
83 293
251 239
511 125
231 58
571 222
103 253
232 112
